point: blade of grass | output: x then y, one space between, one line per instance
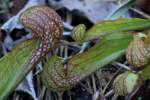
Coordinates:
121 10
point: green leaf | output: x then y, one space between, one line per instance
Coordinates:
12 67
109 49
121 10
59 77
107 27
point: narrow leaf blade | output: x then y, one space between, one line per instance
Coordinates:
12 67
112 26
